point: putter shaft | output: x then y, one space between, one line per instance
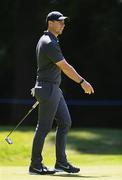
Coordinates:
8 140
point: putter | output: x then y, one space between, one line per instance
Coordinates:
7 139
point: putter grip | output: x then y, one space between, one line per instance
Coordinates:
36 104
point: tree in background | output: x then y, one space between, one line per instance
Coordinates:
92 43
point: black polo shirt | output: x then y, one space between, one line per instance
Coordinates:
48 53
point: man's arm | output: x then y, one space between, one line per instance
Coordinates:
69 71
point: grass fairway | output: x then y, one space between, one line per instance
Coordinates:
97 151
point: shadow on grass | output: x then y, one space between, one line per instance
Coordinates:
77 176
96 141
21 129
87 140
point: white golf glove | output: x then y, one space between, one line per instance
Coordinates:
33 91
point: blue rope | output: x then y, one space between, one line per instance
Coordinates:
70 102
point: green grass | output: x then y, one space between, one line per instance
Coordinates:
98 152
86 146
87 172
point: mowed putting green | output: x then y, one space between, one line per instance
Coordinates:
97 151
87 172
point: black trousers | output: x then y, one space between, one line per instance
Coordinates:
52 106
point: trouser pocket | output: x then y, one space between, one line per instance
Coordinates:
43 91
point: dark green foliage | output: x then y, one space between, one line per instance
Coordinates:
91 42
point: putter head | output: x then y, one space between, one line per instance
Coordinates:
8 140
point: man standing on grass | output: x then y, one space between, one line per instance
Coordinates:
52 105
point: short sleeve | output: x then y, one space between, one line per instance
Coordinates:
53 52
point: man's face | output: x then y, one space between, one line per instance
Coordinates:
58 26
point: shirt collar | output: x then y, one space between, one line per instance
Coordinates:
51 35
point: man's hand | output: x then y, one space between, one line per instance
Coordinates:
87 87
